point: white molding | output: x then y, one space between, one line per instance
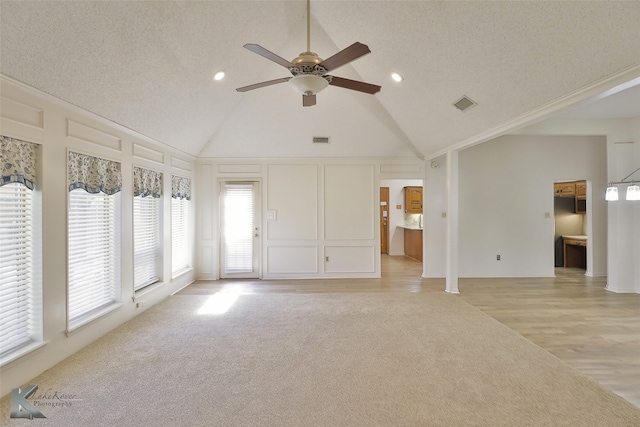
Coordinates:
90 135
147 153
19 112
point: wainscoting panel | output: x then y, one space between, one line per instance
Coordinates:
146 153
21 113
349 259
91 135
292 259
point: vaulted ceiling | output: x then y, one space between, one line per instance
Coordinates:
148 65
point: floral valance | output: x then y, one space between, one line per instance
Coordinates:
18 161
180 187
146 182
93 174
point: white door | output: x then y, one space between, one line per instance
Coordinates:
240 230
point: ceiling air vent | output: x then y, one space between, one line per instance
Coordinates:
464 103
320 139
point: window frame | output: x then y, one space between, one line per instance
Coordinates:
158 250
98 311
184 248
33 322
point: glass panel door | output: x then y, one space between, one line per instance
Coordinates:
240 230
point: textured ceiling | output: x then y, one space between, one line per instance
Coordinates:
149 65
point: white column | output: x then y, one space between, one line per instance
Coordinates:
452 223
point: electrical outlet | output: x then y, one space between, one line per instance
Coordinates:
498 257
140 304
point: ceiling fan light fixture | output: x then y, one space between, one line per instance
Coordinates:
306 84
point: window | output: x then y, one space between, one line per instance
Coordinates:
16 267
94 252
180 201
147 251
20 245
93 234
180 254
146 241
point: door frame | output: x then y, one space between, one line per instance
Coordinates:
384 221
258 251
387 182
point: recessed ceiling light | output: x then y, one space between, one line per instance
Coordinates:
218 76
397 77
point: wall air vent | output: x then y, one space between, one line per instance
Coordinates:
464 103
320 139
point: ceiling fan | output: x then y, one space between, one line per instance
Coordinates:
310 71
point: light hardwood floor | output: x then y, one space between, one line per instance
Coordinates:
571 316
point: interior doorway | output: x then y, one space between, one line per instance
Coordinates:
240 229
397 221
570 224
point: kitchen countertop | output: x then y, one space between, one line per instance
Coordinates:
410 227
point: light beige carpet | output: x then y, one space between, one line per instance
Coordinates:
392 359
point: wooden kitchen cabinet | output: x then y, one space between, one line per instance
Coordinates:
581 189
413 244
581 197
413 200
564 189
575 252
577 189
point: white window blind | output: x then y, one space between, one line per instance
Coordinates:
94 253
146 240
17 311
238 228
180 253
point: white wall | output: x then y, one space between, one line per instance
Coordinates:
30 115
323 208
505 190
634 221
435 218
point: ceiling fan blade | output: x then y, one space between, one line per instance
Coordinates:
354 85
256 48
345 56
308 100
263 84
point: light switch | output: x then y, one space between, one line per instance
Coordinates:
547 214
271 215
